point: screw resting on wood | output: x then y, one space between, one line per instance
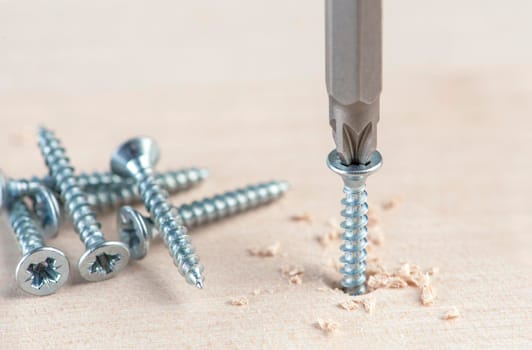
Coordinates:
136 231
42 270
135 158
102 259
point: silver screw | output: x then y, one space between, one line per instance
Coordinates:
102 196
354 225
41 270
135 158
173 181
102 259
45 205
136 230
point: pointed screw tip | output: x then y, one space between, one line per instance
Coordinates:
199 284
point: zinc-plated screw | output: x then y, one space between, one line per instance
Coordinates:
173 181
105 197
45 205
102 259
41 270
354 225
135 158
136 230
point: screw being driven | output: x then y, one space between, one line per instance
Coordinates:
102 259
41 270
45 205
354 225
136 230
135 158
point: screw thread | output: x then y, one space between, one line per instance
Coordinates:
173 181
230 203
169 224
27 233
73 198
104 195
355 241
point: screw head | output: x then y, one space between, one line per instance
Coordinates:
135 232
133 155
42 271
103 261
355 174
47 211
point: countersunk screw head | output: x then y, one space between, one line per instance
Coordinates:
103 261
354 174
42 271
137 153
134 231
48 212
45 206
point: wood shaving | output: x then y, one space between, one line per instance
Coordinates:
368 304
327 326
427 295
385 281
269 251
452 314
239 301
411 274
295 279
294 274
304 217
350 305
391 203
256 292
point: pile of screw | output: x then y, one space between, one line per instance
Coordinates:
36 208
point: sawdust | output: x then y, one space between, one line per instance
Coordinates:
303 217
269 251
295 279
411 274
239 301
328 327
368 304
452 314
392 203
383 280
294 274
428 294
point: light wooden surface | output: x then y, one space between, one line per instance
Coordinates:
237 87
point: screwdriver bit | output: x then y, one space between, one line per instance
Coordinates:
354 76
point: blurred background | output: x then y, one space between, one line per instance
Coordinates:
238 87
